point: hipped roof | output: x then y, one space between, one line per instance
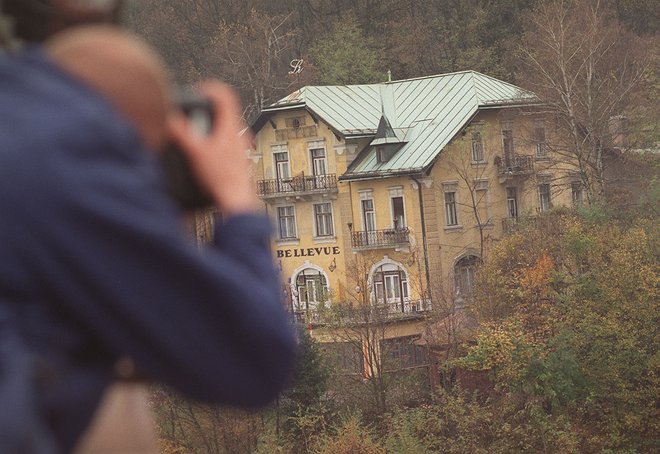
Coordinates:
425 113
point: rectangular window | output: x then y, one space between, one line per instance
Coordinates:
477 147
539 140
368 215
282 171
481 200
398 215
323 219
402 353
343 357
319 166
512 202
507 143
380 155
282 164
545 202
577 193
451 215
286 220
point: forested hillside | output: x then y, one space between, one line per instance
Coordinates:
251 43
562 350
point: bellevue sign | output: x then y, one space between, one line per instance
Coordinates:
308 252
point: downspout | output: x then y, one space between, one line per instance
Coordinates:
424 242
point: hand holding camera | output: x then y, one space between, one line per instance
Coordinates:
217 160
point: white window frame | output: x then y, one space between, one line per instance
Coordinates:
283 181
541 146
313 146
577 193
367 195
294 225
325 215
295 291
397 192
466 270
451 188
388 267
516 212
478 146
545 204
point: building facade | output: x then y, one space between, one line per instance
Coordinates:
389 195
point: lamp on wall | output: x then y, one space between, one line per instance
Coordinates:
333 264
350 226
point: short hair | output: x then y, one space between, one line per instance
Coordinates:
37 20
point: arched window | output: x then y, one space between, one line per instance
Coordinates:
390 283
464 274
312 288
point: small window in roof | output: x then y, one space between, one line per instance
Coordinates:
385 152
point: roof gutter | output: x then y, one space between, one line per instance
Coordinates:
373 176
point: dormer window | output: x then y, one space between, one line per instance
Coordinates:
385 152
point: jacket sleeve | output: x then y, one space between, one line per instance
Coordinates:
113 256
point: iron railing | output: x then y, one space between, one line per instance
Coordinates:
516 165
380 238
376 312
297 185
405 307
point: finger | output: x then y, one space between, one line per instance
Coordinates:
181 131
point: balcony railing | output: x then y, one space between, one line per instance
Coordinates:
380 238
374 313
516 165
297 185
405 307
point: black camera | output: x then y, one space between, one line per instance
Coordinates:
182 183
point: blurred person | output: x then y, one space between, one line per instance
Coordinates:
94 263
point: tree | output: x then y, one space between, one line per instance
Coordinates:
351 437
303 401
368 355
345 56
589 70
445 39
254 56
575 333
187 426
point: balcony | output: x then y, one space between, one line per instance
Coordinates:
404 308
516 165
299 185
344 313
374 239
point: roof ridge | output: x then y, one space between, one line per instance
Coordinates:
431 76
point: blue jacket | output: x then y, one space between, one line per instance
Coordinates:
94 263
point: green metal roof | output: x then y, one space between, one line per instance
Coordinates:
423 113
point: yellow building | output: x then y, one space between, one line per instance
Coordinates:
389 194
